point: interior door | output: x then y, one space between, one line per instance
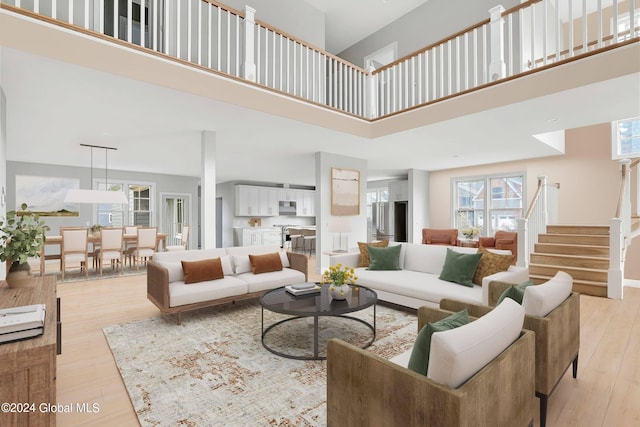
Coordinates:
175 214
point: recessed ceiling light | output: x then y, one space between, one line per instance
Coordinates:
552 120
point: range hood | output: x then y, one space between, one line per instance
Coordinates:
286 208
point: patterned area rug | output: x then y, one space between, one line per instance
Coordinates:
213 370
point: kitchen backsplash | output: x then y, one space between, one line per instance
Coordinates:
275 220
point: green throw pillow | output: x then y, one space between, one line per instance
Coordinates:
384 258
459 267
419 360
515 292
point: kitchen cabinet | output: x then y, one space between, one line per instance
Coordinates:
255 236
398 191
305 203
256 201
287 195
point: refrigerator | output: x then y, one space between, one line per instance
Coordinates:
378 226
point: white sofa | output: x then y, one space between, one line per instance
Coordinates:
167 290
417 284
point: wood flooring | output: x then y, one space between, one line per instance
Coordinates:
606 393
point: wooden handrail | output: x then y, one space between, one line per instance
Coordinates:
520 6
535 199
624 178
634 163
225 7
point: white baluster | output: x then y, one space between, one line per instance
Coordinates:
70 10
571 28
129 21
86 14
497 68
600 23
167 29
237 53
156 25
209 40
585 47
258 63
545 30
178 29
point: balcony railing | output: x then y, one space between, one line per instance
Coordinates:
533 35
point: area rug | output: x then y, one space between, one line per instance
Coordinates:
77 275
213 370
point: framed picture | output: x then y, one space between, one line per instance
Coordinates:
45 195
345 192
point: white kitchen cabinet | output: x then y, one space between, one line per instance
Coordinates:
256 201
272 236
305 203
398 191
286 195
255 236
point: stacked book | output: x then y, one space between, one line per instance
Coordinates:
303 288
21 322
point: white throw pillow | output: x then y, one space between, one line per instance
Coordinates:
176 274
285 259
242 264
457 354
540 300
227 269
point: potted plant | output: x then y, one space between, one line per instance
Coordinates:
22 238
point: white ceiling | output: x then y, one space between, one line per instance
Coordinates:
348 22
54 106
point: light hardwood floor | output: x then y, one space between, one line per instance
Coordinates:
606 393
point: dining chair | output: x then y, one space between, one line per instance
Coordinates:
146 246
74 249
184 240
110 248
297 242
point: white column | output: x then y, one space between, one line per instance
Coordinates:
523 243
208 189
248 64
372 93
497 68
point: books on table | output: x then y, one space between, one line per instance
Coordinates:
21 322
303 288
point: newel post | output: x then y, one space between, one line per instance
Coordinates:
372 93
248 64
497 68
523 243
615 276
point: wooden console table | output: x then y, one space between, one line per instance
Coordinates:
28 367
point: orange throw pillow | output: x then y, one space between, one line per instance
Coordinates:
203 270
364 251
265 263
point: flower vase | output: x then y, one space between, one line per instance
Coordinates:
339 292
19 275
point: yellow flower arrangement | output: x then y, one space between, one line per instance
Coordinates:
337 275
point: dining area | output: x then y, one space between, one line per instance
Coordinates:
83 252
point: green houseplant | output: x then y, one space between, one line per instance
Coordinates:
23 235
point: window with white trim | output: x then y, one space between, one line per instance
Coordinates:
139 211
498 198
625 138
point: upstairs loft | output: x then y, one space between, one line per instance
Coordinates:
536 48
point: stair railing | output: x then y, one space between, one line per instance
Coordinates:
620 233
533 222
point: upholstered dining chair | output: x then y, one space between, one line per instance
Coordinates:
297 241
110 247
74 249
146 245
433 236
184 241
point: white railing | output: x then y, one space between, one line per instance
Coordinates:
532 35
533 223
620 233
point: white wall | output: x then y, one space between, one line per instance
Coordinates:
433 21
419 196
324 239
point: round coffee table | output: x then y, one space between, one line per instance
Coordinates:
317 305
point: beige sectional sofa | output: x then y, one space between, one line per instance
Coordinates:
167 290
417 284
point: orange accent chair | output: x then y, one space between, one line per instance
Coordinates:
501 240
446 237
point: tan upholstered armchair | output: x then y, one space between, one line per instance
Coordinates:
366 390
432 236
501 240
557 337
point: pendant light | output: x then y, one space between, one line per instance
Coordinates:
97 196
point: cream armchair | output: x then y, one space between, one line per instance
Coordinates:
557 337
366 390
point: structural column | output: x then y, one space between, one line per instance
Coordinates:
497 68
208 189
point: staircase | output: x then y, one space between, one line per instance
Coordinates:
580 250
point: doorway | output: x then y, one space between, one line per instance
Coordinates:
175 213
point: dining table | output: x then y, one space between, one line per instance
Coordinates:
94 238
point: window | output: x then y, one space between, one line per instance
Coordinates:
139 211
498 198
626 138
624 25
140 205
